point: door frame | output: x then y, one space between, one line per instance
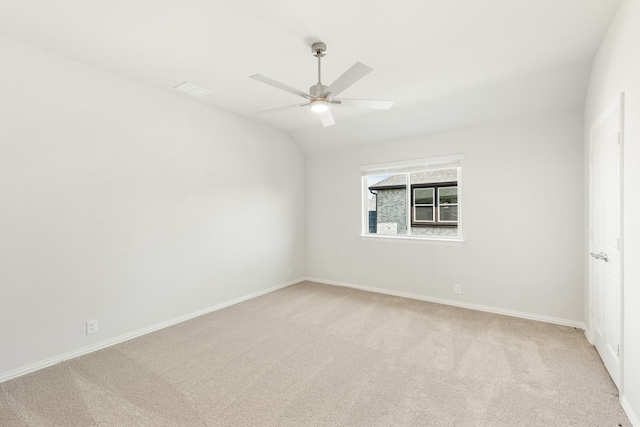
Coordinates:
590 333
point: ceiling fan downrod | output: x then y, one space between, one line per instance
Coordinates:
318 90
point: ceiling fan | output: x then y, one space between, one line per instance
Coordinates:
321 98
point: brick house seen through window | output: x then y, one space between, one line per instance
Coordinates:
433 210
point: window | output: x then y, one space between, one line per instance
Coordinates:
424 205
435 204
415 199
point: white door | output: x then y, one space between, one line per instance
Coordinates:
605 244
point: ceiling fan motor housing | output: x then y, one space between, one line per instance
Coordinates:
318 90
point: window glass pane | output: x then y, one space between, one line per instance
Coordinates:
430 210
424 213
423 196
386 181
448 213
434 176
447 195
387 204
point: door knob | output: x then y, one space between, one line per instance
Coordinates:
601 256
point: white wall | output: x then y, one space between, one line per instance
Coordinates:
130 205
522 212
616 69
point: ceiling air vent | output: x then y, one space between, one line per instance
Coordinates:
192 89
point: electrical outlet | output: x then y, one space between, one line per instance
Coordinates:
92 326
457 289
290 271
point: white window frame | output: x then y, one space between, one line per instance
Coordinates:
408 166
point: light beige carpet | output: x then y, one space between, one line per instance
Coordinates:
318 355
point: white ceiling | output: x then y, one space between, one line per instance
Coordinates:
445 63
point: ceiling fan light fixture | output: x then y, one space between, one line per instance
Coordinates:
319 105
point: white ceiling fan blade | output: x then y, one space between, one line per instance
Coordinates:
279 85
327 118
376 104
288 107
352 75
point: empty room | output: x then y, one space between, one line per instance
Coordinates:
333 213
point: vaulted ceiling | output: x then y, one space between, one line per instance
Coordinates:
445 63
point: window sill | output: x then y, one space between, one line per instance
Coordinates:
413 239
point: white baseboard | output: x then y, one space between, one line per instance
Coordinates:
513 313
588 335
5 376
633 417
107 343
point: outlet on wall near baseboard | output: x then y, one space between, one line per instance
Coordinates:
92 326
290 271
457 288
